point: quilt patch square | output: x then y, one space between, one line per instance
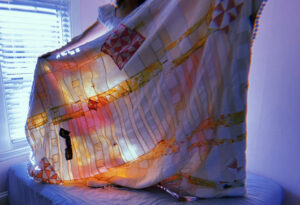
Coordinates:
121 44
45 173
225 12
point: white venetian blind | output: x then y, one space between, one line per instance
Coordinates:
28 29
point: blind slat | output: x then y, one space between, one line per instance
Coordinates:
28 29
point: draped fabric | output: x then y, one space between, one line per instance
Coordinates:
161 98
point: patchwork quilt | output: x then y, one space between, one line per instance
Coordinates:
159 99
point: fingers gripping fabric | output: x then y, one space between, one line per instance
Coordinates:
161 98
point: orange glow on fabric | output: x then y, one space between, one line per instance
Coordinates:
160 98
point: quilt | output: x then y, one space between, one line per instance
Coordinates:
159 99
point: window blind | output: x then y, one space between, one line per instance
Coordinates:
28 29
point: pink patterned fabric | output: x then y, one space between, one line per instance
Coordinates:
121 44
225 12
46 173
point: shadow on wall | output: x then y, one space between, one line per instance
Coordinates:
290 197
273 142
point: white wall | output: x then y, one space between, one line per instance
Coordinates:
274 98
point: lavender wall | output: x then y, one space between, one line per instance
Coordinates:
84 13
274 98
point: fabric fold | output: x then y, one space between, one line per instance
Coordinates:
160 98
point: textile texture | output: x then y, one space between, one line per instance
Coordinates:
23 190
161 98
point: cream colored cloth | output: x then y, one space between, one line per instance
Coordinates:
159 98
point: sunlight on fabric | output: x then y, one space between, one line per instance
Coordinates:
170 120
70 52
